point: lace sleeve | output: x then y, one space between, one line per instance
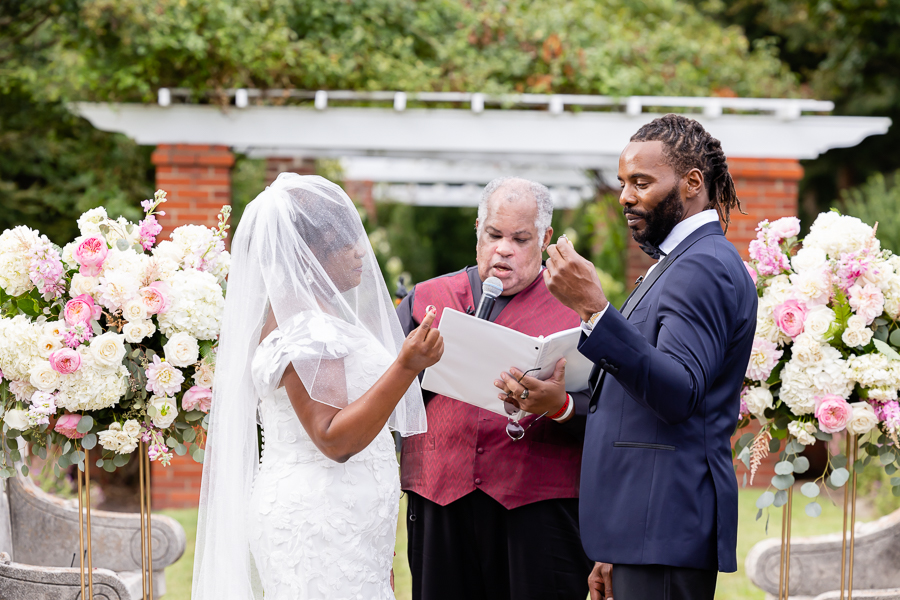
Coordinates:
306 340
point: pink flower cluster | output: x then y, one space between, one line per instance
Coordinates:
66 425
790 316
150 228
888 413
867 302
744 411
45 269
43 404
853 265
90 255
833 413
766 248
77 334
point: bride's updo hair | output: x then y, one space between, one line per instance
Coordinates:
326 224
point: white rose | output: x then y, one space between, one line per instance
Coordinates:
109 439
808 259
43 377
108 350
55 329
127 444
203 376
48 344
134 310
136 331
166 411
807 350
856 338
182 350
818 322
804 432
83 285
758 399
17 418
132 427
856 322
863 419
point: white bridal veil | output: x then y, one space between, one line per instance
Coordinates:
297 249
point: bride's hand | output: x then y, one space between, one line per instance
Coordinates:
423 346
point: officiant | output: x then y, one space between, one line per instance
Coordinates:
491 517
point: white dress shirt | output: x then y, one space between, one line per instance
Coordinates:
678 234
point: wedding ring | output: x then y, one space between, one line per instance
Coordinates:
524 395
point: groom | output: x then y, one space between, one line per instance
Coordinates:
658 492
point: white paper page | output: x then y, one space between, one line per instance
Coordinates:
578 367
475 353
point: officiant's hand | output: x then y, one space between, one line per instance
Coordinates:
600 582
423 347
543 396
573 280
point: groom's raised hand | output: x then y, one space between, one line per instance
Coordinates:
573 280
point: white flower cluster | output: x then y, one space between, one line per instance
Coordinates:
875 371
20 347
776 292
102 379
196 306
197 248
815 369
120 280
89 222
836 234
14 246
121 439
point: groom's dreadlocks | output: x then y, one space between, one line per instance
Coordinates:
689 146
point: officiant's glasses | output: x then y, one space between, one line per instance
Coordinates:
514 429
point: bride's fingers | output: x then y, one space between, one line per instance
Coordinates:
430 314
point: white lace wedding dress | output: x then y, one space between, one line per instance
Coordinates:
320 529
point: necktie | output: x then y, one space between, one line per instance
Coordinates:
652 251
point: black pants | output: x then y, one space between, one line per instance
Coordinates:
659 582
474 549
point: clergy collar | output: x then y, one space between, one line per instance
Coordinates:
685 228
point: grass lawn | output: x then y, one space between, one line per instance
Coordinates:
732 586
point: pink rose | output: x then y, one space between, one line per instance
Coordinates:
155 298
790 316
197 398
90 254
833 413
785 227
66 425
752 272
868 301
81 309
65 361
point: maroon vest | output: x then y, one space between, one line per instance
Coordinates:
467 448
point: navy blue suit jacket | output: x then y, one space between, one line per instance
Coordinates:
657 482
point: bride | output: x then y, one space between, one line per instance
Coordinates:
312 350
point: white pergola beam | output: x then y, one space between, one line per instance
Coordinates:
579 140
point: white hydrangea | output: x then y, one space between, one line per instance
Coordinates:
116 288
90 388
201 250
14 246
90 221
20 347
873 371
196 306
836 234
801 380
777 292
809 259
169 250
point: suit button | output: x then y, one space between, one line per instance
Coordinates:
479 450
593 408
602 362
613 370
478 481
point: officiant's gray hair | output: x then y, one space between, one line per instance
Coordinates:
539 192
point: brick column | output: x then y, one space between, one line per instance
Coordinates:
198 182
767 188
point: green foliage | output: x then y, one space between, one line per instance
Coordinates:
877 201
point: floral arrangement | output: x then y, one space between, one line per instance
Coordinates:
110 340
823 359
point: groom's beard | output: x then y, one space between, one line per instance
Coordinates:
660 221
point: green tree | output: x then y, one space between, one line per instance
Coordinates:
877 201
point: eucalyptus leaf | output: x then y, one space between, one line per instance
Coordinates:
77 457
813 509
109 466
821 435
881 334
25 470
120 460
64 462
759 514
794 447
896 490
839 477
198 454
180 449
890 469
774 445
66 447
99 463
801 464
56 470
781 498
810 489
782 482
194 415
881 321
171 442
766 499
886 350
745 481
744 456
89 441
85 424
871 449
895 480
895 337
887 458
122 244
15 455
784 468
838 461
189 435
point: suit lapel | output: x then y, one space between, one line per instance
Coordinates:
641 290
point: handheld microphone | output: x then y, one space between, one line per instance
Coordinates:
490 289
